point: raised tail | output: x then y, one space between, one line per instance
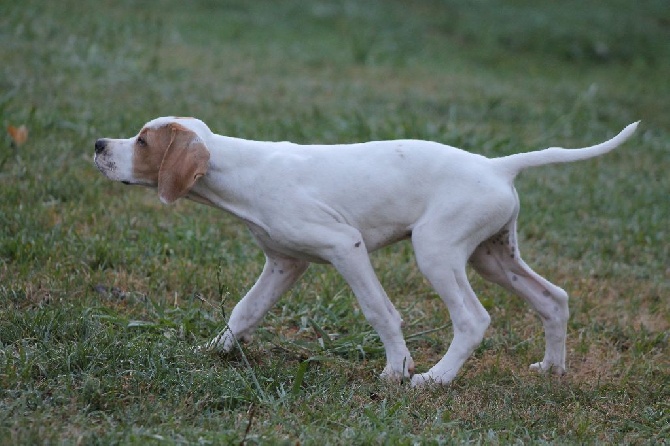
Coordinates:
514 164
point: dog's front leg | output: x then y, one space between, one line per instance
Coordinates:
353 263
279 274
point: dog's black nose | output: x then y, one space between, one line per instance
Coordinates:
100 145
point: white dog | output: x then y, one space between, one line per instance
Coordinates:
336 203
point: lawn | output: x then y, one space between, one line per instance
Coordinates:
104 292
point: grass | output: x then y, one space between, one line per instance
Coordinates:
104 292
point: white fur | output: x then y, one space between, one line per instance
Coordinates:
116 162
334 204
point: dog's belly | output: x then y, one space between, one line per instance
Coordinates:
373 239
379 237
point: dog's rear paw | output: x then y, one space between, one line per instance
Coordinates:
542 367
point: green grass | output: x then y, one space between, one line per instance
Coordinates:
104 292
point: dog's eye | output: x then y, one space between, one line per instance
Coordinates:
141 141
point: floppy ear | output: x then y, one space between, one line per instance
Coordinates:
185 160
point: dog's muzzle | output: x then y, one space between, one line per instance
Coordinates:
100 145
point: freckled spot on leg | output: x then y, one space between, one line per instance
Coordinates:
357 244
546 293
281 271
514 278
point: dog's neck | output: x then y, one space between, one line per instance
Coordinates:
223 186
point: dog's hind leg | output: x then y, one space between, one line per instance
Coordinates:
498 260
445 270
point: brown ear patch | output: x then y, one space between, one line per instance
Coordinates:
186 159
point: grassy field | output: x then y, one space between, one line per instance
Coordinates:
104 292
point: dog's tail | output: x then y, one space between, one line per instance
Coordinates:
514 164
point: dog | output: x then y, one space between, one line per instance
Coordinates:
336 203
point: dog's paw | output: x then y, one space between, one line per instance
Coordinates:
211 347
542 367
224 342
428 379
399 374
422 379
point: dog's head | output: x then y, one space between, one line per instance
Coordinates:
168 153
